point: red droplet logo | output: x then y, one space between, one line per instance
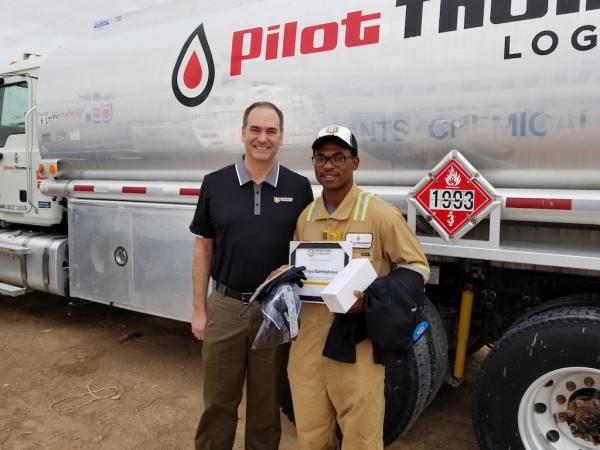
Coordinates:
192 75
194 71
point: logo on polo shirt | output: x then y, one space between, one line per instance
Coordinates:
283 199
360 240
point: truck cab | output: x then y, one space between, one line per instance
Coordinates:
32 256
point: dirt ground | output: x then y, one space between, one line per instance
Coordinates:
81 378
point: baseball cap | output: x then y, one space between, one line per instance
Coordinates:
336 132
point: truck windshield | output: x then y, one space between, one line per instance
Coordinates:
13 107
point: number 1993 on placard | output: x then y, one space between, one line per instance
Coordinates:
450 199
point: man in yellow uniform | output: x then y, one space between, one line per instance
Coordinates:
326 391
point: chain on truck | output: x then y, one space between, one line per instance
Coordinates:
480 120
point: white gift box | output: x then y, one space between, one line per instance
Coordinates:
357 275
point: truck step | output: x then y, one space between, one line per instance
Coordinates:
14 249
13 291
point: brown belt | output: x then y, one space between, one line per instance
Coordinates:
243 297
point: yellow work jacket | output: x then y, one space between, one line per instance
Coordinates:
377 230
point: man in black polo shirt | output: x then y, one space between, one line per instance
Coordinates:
244 221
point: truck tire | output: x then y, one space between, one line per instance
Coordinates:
438 349
411 384
407 388
569 301
414 383
539 368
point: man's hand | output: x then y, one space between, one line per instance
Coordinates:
199 320
359 304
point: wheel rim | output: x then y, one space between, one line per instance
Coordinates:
561 410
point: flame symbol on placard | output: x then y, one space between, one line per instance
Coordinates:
194 71
453 178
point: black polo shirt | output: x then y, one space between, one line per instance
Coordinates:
251 224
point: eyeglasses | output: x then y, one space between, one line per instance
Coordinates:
336 160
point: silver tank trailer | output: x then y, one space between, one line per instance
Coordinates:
107 108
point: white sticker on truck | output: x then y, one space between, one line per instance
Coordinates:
74 134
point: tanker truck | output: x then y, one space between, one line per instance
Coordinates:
479 120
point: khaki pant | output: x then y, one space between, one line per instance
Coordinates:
325 391
229 360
